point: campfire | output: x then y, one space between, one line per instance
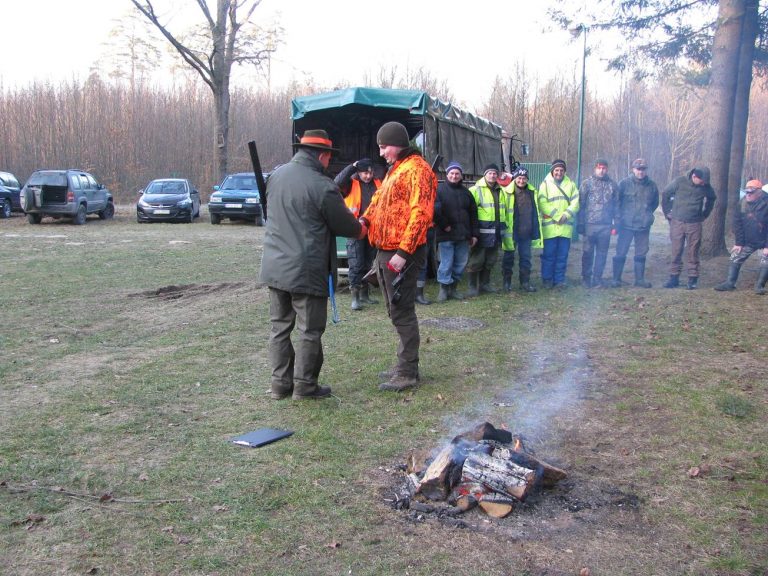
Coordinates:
486 467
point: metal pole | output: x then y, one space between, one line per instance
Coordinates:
581 111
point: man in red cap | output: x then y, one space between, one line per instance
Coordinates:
398 218
306 213
750 232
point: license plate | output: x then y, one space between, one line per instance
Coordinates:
233 205
162 211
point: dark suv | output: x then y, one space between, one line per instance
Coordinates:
65 194
11 184
237 199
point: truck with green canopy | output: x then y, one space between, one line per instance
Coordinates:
353 116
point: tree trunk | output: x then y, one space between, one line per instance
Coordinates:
721 95
749 33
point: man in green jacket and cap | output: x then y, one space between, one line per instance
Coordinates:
306 213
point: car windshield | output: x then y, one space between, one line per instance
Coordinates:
165 187
48 179
239 183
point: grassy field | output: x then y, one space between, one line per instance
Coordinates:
131 354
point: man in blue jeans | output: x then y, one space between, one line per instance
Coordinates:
456 230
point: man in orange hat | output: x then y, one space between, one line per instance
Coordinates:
750 231
306 213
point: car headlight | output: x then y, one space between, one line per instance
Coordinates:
143 203
23 200
251 200
215 199
184 203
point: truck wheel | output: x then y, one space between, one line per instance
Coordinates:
215 219
108 212
34 218
79 218
6 209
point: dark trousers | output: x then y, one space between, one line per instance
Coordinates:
401 307
361 256
595 252
685 236
523 249
295 369
482 258
624 240
554 259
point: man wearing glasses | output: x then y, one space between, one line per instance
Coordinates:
638 198
750 234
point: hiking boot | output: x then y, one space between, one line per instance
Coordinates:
320 392
399 383
444 292
525 281
280 394
693 283
673 282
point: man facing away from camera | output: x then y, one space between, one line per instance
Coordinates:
306 213
398 218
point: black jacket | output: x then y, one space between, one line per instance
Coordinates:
456 208
638 199
750 223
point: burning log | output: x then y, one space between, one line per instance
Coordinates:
550 475
499 475
444 472
487 431
497 505
467 495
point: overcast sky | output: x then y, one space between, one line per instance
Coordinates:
335 41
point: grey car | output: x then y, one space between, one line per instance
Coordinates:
11 184
67 193
168 199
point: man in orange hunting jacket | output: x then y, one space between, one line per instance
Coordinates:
398 218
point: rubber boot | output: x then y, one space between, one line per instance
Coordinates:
473 279
733 275
673 282
445 290
525 281
640 280
453 291
761 280
618 270
365 296
693 283
485 283
356 304
507 282
420 298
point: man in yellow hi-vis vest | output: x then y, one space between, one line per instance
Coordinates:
558 205
358 185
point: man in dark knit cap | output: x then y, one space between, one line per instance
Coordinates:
456 224
398 218
306 212
358 185
687 201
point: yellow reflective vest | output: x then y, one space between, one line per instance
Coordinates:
508 239
556 199
486 214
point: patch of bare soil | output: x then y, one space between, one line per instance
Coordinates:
174 292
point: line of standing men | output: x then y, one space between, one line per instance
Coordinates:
392 218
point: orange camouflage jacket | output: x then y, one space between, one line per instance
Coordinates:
401 210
